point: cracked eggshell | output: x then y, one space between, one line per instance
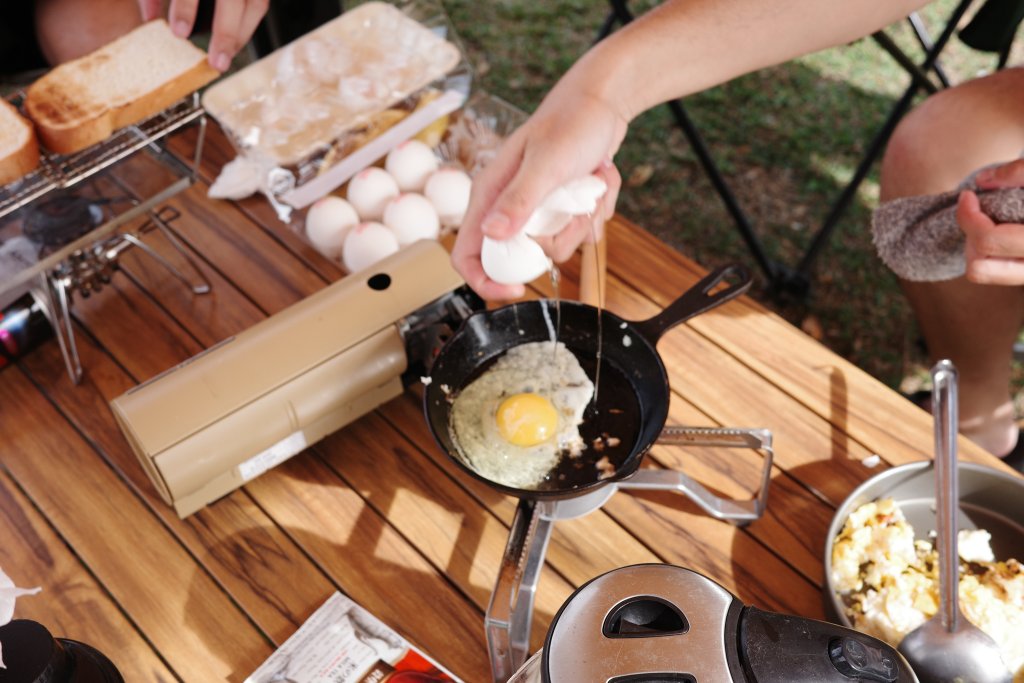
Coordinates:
448 190
366 244
369 192
411 164
514 261
328 222
575 198
412 217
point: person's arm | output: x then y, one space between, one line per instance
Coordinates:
678 48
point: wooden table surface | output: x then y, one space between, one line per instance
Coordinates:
375 510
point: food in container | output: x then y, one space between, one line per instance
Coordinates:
887 581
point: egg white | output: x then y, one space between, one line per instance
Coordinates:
548 369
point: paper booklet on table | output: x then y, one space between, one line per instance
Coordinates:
343 643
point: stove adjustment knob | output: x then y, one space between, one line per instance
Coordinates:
861 661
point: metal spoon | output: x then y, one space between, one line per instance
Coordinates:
947 647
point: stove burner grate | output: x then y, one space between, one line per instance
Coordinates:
63 218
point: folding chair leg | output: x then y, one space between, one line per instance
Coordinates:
920 77
621 14
876 147
750 237
923 37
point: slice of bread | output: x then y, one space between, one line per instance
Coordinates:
19 151
82 102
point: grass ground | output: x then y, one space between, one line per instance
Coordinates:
787 138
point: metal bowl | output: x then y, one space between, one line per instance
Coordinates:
989 499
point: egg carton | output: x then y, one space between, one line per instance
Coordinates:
296 114
418 188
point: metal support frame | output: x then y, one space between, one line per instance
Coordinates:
88 270
783 279
88 263
510 610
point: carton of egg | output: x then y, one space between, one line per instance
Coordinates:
327 224
448 190
366 244
410 164
370 191
412 217
410 199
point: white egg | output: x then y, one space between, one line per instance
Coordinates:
575 198
448 190
411 217
544 369
366 244
411 163
370 191
327 223
513 261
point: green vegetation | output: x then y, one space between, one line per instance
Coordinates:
787 138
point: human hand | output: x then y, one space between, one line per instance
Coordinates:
572 134
994 252
234 22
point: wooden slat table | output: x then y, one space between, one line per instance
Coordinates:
375 510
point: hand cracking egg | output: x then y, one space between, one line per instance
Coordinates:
517 420
513 261
520 259
448 190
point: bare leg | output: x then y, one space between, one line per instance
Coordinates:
71 28
952 134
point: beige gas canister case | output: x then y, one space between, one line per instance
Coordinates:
225 416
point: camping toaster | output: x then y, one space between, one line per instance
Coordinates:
655 623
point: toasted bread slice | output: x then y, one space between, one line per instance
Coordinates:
82 102
19 151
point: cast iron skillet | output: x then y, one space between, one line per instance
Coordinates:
632 392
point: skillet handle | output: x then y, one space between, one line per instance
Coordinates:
696 300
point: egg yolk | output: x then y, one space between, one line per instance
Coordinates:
526 419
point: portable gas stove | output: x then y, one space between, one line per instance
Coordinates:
258 398
630 402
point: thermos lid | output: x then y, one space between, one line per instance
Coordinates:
32 655
645 621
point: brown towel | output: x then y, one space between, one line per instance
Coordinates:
919 239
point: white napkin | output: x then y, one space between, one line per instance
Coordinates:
249 173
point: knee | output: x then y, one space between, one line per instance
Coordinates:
918 159
953 133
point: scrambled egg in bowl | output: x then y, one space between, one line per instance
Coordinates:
521 416
888 582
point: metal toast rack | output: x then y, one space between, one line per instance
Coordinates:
74 235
